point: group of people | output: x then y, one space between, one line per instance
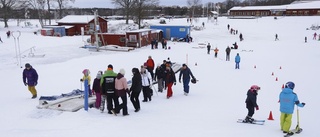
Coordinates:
228 50
110 86
287 100
154 43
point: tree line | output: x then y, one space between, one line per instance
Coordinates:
137 10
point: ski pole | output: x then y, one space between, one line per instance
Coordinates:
298 123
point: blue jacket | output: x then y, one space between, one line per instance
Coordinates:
30 76
185 73
237 59
287 100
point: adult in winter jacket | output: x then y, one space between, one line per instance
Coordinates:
208 48
228 50
146 83
122 90
150 65
97 89
237 60
135 89
170 80
287 100
185 73
108 89
159 76
30 79
251 102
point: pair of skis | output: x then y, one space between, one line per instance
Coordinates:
257 122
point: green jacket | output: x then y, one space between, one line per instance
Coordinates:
106 74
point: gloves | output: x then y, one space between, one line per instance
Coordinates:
81 80
303 104
35 83
25 83
174 83
179 80
257 107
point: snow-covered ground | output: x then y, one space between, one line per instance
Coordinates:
213 105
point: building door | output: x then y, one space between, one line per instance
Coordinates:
168 32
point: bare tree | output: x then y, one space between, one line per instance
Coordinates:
193 4
141 8
63 4
38 5
6 7
126 5
49 13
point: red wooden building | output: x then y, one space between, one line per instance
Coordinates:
297 8
83 21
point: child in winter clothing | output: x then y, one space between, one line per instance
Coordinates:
86 76
96 88
237 60
216 50
30 78
288 99
251 102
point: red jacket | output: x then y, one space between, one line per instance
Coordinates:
150 63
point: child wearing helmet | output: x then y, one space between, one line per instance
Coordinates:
288 99
86 76
251 103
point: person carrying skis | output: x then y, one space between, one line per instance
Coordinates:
251 103
108 89
96 88
30 78
122 90
185 72
237 60
287 100
135 89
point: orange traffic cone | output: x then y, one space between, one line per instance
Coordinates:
270 116
276 78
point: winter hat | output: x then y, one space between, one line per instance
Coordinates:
99 75
86 72
28 65
110 66
184 65
122 71
255 87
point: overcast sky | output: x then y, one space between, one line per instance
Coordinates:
107 3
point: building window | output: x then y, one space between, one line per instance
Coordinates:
133 38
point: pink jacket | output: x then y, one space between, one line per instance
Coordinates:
121 85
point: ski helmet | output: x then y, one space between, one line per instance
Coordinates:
194 81
255 87
290 85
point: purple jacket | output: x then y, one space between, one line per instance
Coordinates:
30 77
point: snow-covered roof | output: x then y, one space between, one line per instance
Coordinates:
78 19
300 5
139 30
